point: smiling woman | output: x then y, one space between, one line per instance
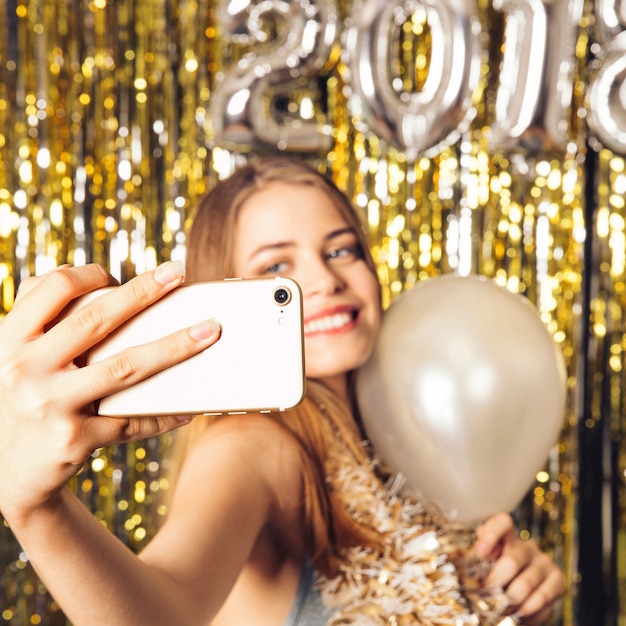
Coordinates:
257 500
341 294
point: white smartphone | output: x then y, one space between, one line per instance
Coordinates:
257 364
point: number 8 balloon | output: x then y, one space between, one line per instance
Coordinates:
464 394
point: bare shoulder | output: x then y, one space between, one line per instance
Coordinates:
251 432
251 450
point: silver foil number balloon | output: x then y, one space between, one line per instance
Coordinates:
606 97
243 104
423 121
610 19
534 95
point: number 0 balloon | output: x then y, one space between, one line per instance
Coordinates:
464 394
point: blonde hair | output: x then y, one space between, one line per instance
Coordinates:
322 418
211 236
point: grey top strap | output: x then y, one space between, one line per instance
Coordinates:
307 608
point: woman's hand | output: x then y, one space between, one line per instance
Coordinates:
529 577
48 423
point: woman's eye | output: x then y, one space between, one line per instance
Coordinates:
346 252
276 268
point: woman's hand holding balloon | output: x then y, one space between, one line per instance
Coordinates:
465 380
531 580
48 420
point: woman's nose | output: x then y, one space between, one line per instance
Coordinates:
320 279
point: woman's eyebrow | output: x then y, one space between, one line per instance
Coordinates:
275 245
340 231
281 245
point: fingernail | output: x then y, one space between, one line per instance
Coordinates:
183 419
482 549
205 329
169 272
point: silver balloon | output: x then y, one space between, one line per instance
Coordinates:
535 88
610 19
464 394
606 96
243 112
425 121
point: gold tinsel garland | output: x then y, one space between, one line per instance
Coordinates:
422 571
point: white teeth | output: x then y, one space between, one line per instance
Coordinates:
331 322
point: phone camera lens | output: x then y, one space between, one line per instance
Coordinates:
282 296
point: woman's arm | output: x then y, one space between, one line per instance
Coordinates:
48 426
228 492
530 578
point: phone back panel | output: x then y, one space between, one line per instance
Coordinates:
257 364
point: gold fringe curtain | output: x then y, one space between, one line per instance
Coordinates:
108 138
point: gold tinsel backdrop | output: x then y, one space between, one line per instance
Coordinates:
476 136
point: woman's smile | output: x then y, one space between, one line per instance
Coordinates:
331 321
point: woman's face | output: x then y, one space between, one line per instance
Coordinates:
296 231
